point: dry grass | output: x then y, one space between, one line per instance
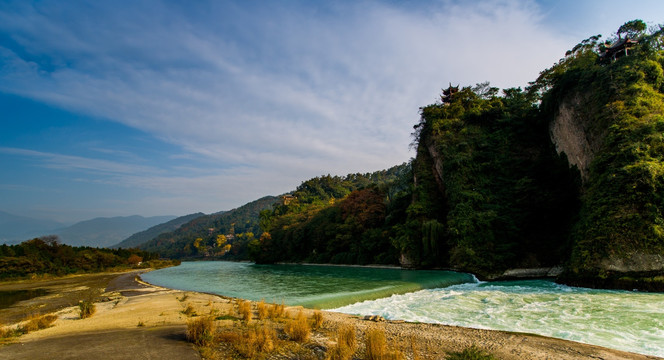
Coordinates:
376 347
471 353
264 338
339 352
229 337
251 343
262 310
298 329
276 311
346 343
86 308
244 308
318 320
346 336
413 348
37 322
189 310
201 331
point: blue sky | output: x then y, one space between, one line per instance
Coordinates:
166 107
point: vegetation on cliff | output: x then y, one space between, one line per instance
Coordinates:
490 192
620 227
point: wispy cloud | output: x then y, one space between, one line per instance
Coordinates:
269 95
342 89
78 163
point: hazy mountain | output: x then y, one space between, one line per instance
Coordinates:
16 228
151 233
105 232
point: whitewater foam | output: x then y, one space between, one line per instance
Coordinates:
622 320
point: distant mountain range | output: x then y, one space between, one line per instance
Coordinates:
16 228
98 232
151 233
106 232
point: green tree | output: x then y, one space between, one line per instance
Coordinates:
631 29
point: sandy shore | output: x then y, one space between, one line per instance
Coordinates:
141 321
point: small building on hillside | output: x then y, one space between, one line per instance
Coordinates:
620 49
287 199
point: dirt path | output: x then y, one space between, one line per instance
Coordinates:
113 332
166 342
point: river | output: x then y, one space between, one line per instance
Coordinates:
624 320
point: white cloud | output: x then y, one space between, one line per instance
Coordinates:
79 163
287 93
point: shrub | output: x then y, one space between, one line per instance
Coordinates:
298 329
248 344
318 319
189 310
37 322
244 308
339 352
276 311
346 336
262 310
229 337
8 332
471 353
376 345
46 321
86 308
346 343
200 331
265 338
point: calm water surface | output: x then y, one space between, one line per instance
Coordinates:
10 297
307 285
629 321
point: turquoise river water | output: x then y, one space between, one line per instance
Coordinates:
630 321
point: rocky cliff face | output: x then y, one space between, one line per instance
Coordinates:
579 129
636 262
437 165
572 132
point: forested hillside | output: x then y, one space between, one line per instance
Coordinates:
144 236
241 222
229 235
341 220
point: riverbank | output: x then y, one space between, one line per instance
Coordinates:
138 320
